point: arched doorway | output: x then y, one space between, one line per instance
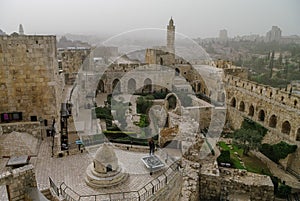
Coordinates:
233 102
172 102
116 86
161 61
108 168
273 121
177 72
286 127
261 115
251 111
131 86
147 86
101 86
242 106
199 87
298 135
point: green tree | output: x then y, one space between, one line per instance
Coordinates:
143 104
247 139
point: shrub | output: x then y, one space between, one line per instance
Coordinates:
224 157
143 104
283 191
278 151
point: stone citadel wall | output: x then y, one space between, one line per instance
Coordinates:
275 109
29 78
70 60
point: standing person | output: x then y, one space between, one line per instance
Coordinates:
151 146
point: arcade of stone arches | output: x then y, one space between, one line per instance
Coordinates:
271 121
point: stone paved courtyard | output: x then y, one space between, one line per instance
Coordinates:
71 170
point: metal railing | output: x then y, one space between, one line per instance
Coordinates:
54 187
140 195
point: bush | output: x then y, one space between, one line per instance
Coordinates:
283 191
143 104
224 157
144 122
278 151
103 113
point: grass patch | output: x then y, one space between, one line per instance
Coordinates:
252 163
234 158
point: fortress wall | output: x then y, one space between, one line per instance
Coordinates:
232 184
18 182
29 79
265 92
70 61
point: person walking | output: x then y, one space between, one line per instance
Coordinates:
151 147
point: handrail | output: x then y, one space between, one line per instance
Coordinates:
54 187
142 194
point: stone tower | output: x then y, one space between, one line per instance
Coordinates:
21 30
171 37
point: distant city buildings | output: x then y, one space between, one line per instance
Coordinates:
274 34
223 35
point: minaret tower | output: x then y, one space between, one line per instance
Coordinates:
21 30
171 37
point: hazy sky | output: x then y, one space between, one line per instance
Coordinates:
195 18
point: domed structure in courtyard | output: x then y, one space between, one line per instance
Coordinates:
105 170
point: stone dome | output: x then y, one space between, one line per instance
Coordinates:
105 158
105 171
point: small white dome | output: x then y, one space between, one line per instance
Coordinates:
105 156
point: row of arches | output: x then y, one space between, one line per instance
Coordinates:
131 86
261 116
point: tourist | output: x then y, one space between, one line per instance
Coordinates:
151 146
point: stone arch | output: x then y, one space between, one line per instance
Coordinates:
177 72
199 87
261 115
172 102
251 111
273 121
147 85
298 135
286 127
131 86
233 102
116 85
242 106
161 61
101 86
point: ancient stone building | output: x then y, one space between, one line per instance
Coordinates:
275 109
70 61
30 86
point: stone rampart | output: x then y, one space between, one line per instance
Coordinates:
33 128
30 82
18 181
232 184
